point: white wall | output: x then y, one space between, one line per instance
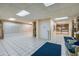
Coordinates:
10 28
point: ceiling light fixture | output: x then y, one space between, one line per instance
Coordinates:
23 13
61 18
12 19
48 4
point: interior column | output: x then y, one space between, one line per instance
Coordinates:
34 29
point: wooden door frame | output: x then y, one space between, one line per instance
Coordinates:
2 31
34 29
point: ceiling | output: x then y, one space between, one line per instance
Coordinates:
38 10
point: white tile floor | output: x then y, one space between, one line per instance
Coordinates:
23 45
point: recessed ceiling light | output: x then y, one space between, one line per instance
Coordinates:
23 13
12 19
61 18
48 4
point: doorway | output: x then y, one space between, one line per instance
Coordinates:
44 29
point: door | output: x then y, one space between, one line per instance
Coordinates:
44 29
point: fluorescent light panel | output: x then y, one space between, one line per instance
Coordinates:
61 18
23 13
12 19
48 4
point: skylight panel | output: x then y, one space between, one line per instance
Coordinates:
61 18
23 13
48 4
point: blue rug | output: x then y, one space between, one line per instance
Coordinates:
48 49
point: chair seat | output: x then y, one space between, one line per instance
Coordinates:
69 46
